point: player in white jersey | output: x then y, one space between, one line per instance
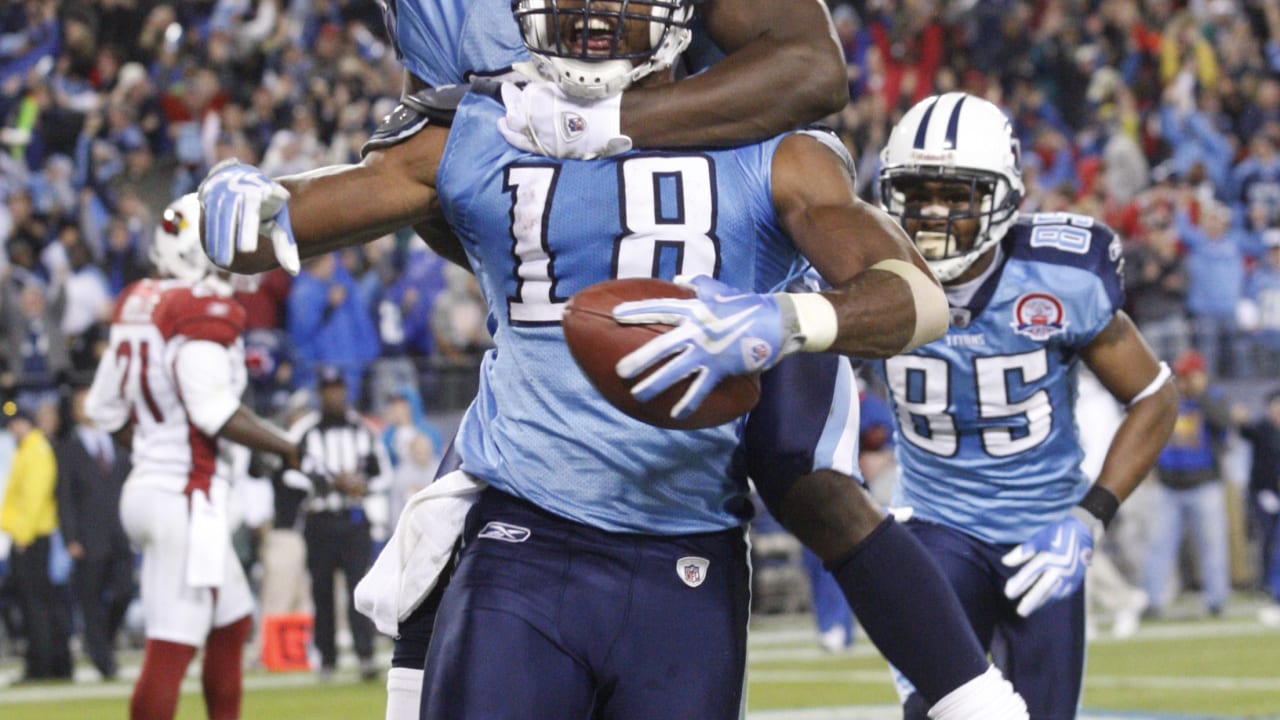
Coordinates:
169 386
987 446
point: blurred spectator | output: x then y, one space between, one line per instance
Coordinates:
264 305
286 587
35 348
91 472
328 324
268 358
413 444
1191 494
30 516
89 300
1263 435
1263 295
1215 269
122 259
1156 286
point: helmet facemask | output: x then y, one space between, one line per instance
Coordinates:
974 202
585 46
964 144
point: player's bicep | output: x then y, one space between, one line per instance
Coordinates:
733 24
1121 358
819 209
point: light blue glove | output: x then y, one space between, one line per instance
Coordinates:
1053 561
239 203
719 333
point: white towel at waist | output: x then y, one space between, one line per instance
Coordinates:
408 567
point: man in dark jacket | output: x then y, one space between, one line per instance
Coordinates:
1264 487
91 471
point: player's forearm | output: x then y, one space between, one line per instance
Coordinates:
755 94
347 205
1138 441
244 427
887 309
764 88
885 299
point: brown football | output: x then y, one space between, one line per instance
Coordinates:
597 342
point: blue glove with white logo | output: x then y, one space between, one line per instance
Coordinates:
1053 561
719 333
240 203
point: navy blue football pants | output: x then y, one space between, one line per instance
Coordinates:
547 619
1042 655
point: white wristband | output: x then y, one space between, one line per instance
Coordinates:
932 313
816 318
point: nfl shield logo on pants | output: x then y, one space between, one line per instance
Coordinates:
692 570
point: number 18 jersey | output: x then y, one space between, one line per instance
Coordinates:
987 441
537 230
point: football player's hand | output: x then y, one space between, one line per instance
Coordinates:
1053 561
542 119
239 203
718 333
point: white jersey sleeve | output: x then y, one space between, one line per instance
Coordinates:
207 383
107 407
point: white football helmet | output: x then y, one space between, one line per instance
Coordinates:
582 72
963 138
176 250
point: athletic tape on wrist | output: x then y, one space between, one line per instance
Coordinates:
932 315
816 317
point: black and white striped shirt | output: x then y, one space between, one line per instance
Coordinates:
331 446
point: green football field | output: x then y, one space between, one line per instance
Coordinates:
1224 668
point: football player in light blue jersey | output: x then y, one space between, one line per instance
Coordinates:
863 551
785 49
987 445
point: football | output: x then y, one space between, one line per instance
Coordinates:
597 342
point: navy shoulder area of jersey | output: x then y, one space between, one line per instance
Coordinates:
1072 240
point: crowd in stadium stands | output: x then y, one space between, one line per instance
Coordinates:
1161 117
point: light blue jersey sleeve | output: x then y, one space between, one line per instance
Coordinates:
446 42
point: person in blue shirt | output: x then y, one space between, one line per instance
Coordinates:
870 548
988 454
1190 490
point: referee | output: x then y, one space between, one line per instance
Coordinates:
342 461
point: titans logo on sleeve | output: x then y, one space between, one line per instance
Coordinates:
986 441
